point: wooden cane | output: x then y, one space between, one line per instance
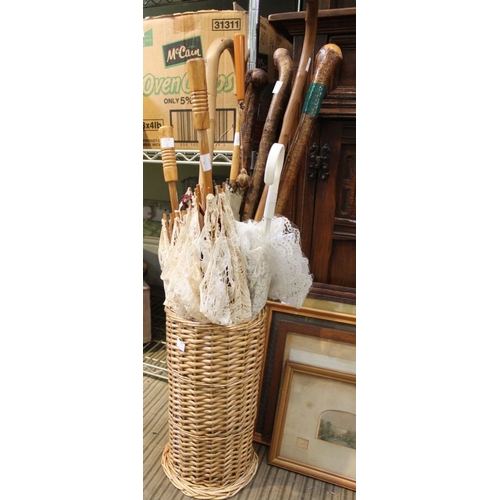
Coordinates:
199 102
328 60
293 108
170 173
214 53
284 65
239 72
255 80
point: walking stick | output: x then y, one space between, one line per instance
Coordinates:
214 52
283 63
239 71
293 109
256 80
328 60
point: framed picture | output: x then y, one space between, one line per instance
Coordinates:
315 429
309 336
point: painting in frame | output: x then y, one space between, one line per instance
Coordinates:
321 338
315 427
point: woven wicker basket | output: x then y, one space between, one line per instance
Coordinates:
213 380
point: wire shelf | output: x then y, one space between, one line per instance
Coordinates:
188 157
154 359
154 353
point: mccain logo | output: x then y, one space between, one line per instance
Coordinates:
179 52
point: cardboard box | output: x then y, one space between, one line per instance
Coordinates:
169 41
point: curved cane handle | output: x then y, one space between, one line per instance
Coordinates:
214 53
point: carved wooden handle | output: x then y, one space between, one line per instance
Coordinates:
284 65
199 102
170 173
328 60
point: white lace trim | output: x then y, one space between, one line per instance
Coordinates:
225 272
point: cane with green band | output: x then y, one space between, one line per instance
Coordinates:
327 61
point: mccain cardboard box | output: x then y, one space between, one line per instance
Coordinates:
169 41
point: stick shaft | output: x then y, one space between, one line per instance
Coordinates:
239 70
257 79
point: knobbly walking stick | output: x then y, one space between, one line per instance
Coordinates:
328 60
281 92
256 80
293 108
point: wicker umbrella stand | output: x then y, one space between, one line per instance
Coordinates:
213 383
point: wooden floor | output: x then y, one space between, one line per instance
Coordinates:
269 483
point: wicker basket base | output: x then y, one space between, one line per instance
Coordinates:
213 384
205 492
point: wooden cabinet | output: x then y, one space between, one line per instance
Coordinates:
323 205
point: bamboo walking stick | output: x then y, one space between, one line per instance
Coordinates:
293 109
281 92
170 173
199 101
328 60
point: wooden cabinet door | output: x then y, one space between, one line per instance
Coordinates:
324 203
337 193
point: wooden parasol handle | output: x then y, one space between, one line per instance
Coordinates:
293 108
199 102
170 173
328 60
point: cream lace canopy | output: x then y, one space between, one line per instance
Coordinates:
225 272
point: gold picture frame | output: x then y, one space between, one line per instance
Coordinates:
285 321
315 427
